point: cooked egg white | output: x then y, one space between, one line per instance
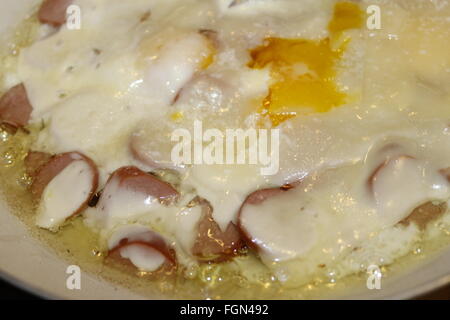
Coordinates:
338 92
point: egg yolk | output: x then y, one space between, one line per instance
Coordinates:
177 116
209 59
347 15
303 71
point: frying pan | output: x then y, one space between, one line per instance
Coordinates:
30 264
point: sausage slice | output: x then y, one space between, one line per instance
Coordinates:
34 161
141 248
425 214
134 179
256 198
64 186
53 12
212 244
15 108
128 194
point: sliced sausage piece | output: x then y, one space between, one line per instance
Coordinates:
212 244
151 148
141 248
134 179
375 175
274 228
425 214
403 183
8 128
256 198
53 12
34 161
204 92
48 171
64 186
128 194
15 108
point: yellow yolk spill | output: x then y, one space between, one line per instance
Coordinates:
210 57
177 116
303 71
303 74
347 15
208 60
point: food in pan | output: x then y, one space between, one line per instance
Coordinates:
361 113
